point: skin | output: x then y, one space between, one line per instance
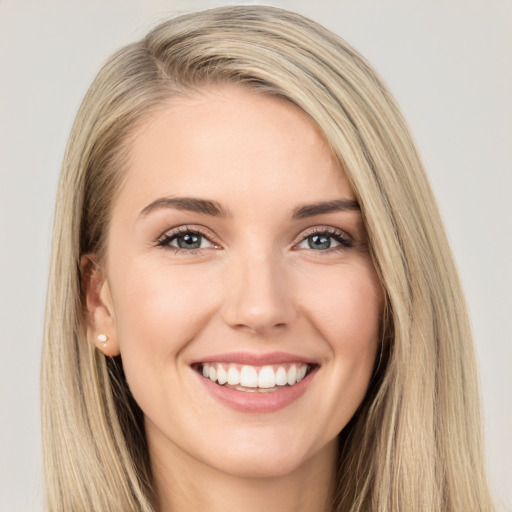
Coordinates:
255 285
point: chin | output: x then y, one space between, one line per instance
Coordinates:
270 456
259 465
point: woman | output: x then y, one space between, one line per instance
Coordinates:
255 299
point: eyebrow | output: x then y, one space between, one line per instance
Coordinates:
337 205
190 204
208 207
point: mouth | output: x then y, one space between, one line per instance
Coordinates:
255 379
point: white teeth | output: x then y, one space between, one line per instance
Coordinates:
233 376
291 376
281 379
249 377
267 377
222 375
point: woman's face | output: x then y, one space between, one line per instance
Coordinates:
237 253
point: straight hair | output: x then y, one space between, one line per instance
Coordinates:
415 443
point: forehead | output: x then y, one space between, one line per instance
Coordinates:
231 144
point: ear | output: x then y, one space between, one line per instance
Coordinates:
100 316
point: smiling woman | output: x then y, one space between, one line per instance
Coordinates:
207 311
256 303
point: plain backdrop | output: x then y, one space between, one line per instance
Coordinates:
449 63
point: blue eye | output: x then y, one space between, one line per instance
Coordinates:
185 240
320 242
325 240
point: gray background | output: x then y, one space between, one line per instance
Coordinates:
449 64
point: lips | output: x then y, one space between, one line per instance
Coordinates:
255 382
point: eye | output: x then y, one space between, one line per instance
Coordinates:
325 239
186 239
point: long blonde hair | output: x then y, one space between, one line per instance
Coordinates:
415 442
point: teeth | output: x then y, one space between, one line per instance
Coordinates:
301 373
233 376
291 376
248 377
222 375
281 379
266 377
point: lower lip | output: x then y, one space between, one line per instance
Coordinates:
256 401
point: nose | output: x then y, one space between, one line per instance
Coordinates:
259 296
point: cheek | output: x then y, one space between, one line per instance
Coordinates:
155 304
158 311
349 319
347 306
348 316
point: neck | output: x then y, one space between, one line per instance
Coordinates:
192 485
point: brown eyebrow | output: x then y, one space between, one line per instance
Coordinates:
190 204
337 205
215 209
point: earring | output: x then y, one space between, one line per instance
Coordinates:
103 338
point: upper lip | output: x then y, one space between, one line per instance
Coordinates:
255 359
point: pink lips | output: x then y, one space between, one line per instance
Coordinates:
256 359
254 401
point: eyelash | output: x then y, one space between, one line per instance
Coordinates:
166 239
343 239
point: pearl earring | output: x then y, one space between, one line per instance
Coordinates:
103 338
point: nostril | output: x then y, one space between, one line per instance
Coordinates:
259 327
